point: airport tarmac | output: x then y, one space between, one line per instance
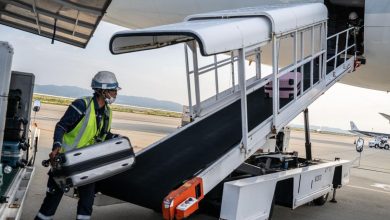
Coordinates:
366 197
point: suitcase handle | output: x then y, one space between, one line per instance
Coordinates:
46 163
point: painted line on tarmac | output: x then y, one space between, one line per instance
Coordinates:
382 186
378 171
368 189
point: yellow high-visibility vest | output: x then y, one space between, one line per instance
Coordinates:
86 131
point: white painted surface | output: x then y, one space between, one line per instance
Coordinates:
284 18
251 198
147 13
238 33
6 53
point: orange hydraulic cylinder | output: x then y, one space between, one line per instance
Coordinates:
190 193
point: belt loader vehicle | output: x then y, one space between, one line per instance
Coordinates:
18 136
220 159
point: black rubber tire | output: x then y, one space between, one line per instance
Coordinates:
386 147
321 200
376 146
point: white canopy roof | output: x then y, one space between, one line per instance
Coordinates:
284 17
213 36
222 31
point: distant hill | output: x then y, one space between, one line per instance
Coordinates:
75 92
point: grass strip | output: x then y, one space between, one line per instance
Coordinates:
55 100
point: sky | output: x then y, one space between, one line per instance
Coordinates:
160 74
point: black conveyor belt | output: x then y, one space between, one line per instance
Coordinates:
164 167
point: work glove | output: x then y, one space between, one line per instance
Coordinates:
53 155
116 136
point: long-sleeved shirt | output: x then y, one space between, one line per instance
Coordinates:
72 117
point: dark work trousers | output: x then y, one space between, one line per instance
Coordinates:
54 195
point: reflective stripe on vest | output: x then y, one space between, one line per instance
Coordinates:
86 130
83 217
44 217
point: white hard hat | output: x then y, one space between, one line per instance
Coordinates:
353 16
104 80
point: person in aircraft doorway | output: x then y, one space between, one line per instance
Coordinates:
86 121
356 35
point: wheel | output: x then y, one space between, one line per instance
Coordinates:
386 146
321 200
376 146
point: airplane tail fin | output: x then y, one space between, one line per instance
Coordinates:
353 126
385 116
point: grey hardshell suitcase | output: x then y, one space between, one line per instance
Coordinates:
93 163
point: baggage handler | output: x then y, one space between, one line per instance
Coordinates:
357 35
86 121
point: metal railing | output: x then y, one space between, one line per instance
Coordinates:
347 47
307 85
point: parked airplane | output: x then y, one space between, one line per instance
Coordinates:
355 130
379 140
385 115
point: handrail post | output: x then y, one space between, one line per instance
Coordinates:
188 81
275 70
295 64
346 46
196 78
216 77
337 51
258 64
324 46
312 61
242 84
232 69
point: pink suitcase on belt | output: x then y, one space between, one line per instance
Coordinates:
286 86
